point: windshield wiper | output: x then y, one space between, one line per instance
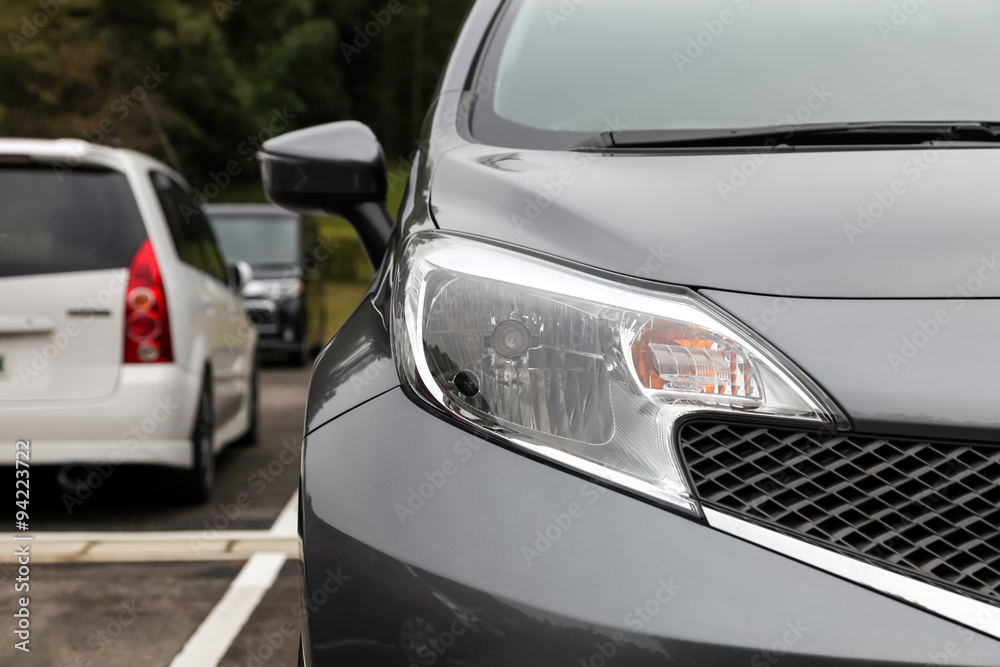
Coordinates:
816 134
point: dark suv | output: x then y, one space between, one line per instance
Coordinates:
270 240
674 356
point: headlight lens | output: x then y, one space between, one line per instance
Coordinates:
275 290
579 369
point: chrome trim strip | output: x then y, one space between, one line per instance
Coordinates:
979 616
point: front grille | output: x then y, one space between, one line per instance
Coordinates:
257 316
265 321
930 510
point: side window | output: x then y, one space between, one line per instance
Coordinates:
185 242
192 234
199 227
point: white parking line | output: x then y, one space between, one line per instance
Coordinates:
287 523
215 635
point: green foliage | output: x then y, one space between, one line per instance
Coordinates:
346 260
223 68
82 68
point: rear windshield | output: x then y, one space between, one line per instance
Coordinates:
558 72
258 240
84 220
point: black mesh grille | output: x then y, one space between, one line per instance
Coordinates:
927 509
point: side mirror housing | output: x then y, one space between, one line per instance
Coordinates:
334 169
240 274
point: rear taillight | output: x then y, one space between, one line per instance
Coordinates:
147 325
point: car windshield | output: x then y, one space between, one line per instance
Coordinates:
559 71
81 220
258 240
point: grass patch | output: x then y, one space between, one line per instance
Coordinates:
330 304
394 196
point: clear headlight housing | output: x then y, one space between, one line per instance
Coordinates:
579 369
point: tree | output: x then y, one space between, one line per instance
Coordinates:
215 72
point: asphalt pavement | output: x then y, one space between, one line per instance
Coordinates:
130 575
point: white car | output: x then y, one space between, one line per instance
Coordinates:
122 336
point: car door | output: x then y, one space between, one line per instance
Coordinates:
233 353
216 310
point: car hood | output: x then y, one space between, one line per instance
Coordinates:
840 224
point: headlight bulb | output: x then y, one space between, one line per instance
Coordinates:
512 340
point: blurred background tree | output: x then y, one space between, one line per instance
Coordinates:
65 66
198 83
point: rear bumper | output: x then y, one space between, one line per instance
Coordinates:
147 420
426 545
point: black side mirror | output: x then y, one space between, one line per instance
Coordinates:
334 169
240 274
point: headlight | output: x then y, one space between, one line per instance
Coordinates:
275 290
579 369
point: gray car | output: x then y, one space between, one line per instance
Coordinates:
682 350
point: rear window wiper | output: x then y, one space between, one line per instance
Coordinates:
816 134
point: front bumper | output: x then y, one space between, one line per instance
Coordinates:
427 545
280 324
147 420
